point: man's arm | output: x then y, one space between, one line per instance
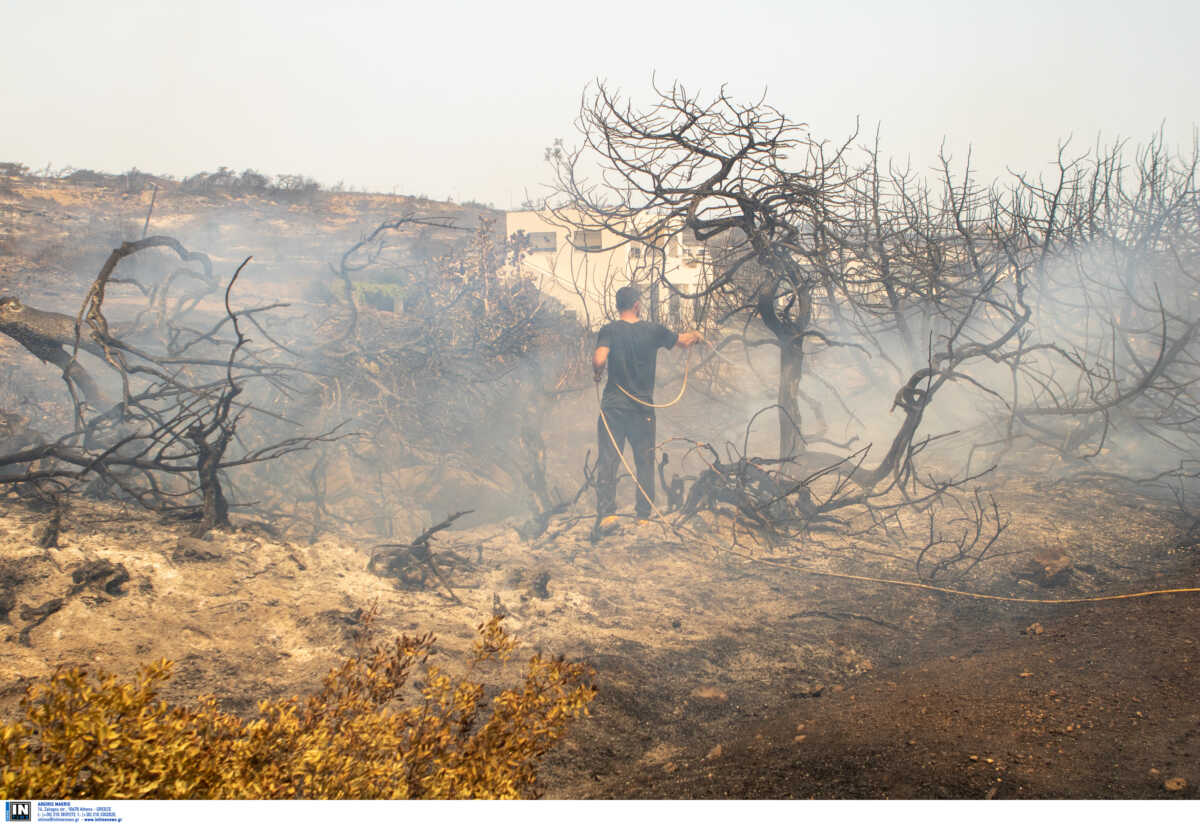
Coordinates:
689 339
599 359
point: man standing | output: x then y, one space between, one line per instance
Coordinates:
629 348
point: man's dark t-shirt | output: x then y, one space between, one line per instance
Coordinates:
632 356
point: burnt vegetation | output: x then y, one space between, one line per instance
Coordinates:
181 397
1058 312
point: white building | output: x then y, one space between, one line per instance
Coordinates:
584 268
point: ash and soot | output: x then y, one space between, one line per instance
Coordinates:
909 509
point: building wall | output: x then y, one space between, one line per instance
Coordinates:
585 269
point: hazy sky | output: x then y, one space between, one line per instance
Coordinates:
458 99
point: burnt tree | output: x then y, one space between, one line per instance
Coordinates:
716 170
166 443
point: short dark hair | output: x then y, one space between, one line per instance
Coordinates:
627 296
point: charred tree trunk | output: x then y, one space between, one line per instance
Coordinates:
791 368
211 441
788 324
214 511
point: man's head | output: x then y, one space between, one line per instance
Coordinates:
627 298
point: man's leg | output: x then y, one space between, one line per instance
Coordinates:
641 439
607 459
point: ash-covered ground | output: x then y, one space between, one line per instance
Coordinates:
696 653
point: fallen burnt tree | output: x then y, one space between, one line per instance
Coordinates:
413 563
171 440
786 500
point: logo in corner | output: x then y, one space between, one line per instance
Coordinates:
18 810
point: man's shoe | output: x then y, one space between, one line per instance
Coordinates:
605 526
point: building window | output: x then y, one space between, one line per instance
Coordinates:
543 241
588 240
635 251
